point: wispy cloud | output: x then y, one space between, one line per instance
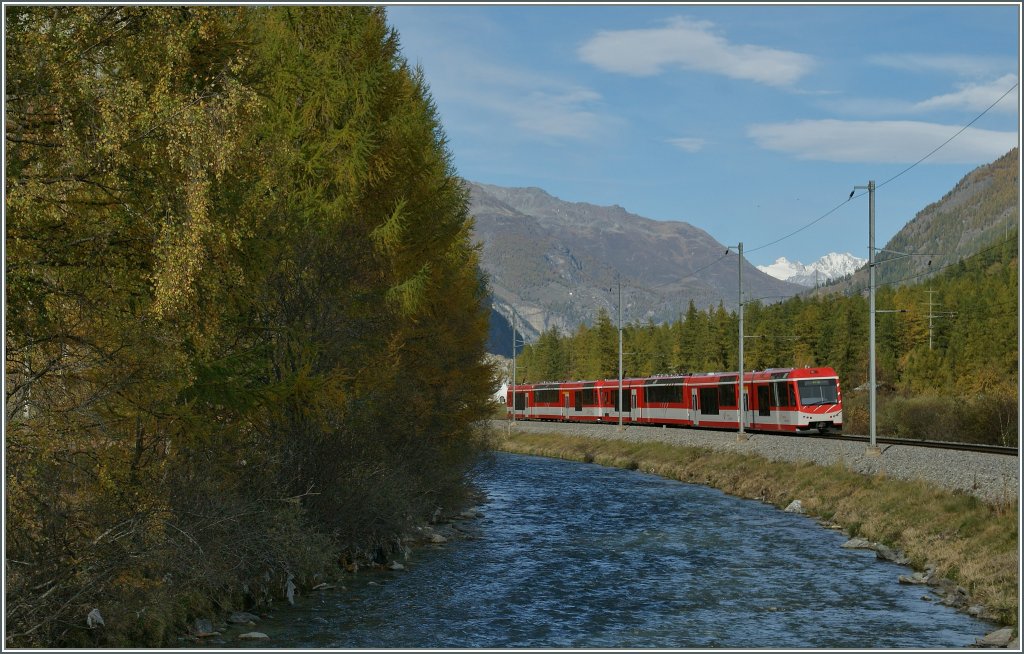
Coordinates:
554 113
691 45
962 65
975 97
498 97
969 97
492 100
881 141
688 144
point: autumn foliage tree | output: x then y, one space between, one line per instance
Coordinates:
244 315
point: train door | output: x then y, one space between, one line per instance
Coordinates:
519 404
694 413
621 409
746 408
634 408
764 400
565 407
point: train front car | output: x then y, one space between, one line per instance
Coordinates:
794 400
819 400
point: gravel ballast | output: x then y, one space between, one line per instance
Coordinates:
992 477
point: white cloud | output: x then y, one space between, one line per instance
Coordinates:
691 45
554 114
498 97
881 141
975 97
688 144
490 99
963 65
969 97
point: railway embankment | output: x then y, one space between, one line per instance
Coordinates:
990 477
950 515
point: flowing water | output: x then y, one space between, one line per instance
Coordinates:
570 555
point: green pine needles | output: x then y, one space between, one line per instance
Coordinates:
245 324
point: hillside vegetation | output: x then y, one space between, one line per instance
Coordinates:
982 210
245 320
951 377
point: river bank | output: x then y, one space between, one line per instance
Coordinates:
257 625
586 556
953 535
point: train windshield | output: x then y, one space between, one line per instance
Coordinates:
818 391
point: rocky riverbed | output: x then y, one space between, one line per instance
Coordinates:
992 477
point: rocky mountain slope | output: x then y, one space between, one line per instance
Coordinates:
983 209
556 263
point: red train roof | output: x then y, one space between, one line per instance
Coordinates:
690 378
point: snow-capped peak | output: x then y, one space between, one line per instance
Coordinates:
831 266
783 268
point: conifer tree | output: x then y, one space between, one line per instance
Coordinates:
239 272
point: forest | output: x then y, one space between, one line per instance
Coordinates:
946 348
245 322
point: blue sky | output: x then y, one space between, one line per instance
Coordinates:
748 121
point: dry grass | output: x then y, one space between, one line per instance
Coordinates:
972 542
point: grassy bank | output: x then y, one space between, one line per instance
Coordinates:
967 540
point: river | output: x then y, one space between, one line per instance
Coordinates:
571 555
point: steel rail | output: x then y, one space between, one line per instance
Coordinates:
944 445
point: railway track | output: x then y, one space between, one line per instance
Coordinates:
983 471
881 441
944 445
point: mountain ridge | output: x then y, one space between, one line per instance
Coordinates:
554 263
981 210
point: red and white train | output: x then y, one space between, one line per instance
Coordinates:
775 400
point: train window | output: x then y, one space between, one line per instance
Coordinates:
549 396
520 401
626 399
779 395
709 401
589 396
792 394
817 391
664 394
727 395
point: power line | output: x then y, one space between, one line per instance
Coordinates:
902 172
962 130
709 265
794 233
936 271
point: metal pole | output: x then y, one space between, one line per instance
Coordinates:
620 351
872 405
743 413
513 365
931 306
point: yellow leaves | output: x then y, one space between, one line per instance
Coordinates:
387 237
201 256
411 294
